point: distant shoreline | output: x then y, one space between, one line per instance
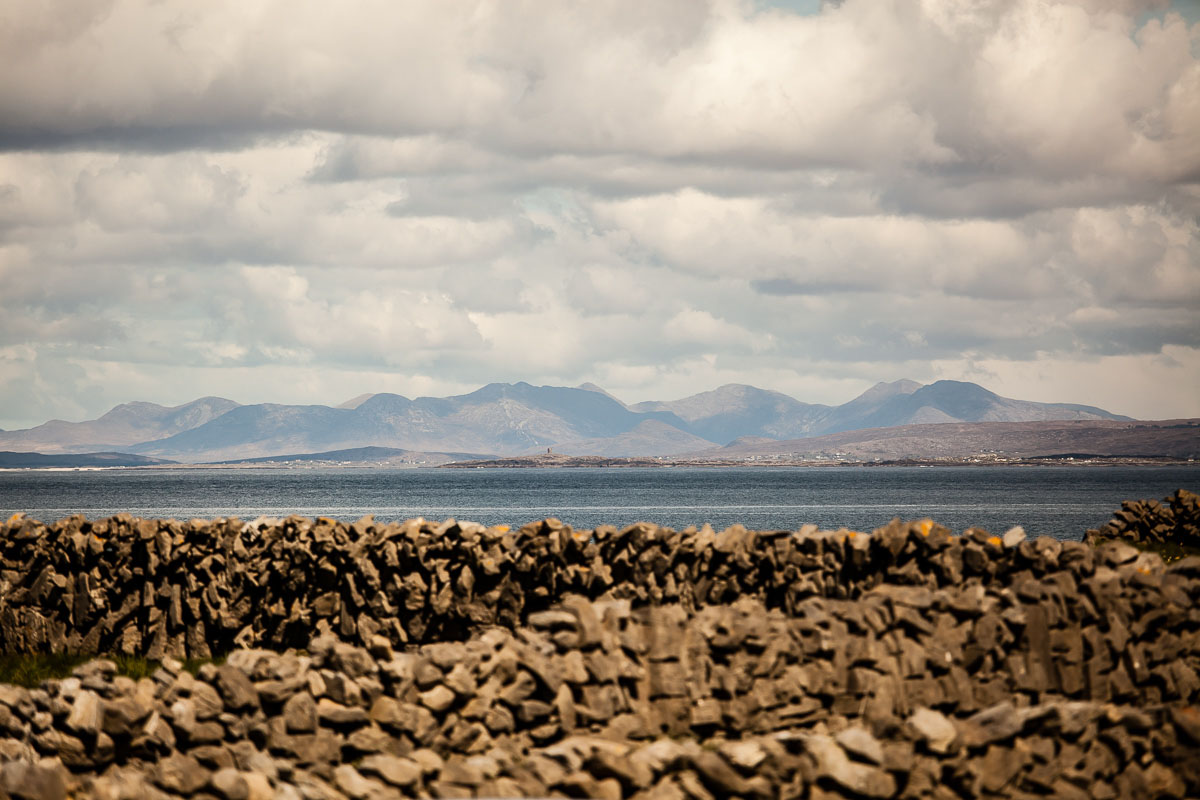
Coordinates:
600 462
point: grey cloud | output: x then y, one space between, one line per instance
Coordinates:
85 333
1007 196
627 192
145 139
617 79
791 286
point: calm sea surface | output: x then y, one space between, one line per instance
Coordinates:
1055 501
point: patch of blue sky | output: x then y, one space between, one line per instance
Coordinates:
1188 9
802 7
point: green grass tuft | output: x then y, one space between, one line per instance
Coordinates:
193 665
30 670
135 667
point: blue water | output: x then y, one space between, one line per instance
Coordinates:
1052 500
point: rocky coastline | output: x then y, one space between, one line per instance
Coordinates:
373 660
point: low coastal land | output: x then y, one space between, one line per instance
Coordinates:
555 461
1125 442
450 659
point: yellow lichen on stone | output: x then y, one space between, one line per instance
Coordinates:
996 540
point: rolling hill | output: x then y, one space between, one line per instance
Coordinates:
518 418
126 424
12 460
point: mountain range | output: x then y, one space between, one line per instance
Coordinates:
513 419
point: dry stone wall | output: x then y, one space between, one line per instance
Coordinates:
452 660
191 589
601 699
1173 521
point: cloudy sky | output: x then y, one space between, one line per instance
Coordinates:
292 201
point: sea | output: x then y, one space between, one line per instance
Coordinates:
1056 501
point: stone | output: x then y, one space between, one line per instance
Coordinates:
251 760
230 784
275 693
86 714
207 702
499 719
70 750
603 763
380 648
236 688
532 711
371 739
717 773
1160 780
690 783
554 619
402 772
994 724
833 763
445 655
916 597
747 755
209 732
300 713
586 620
1013 537
27 781
331 713
1187 722
212 756
158 730
121 716
667 679
101 668
322 747
1117 553
437 699
260 787
389 712
352 782
461 681
353 661
574 669
998 767
938 732
341 689
103 749
180 774
183 716
429 761
859 743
